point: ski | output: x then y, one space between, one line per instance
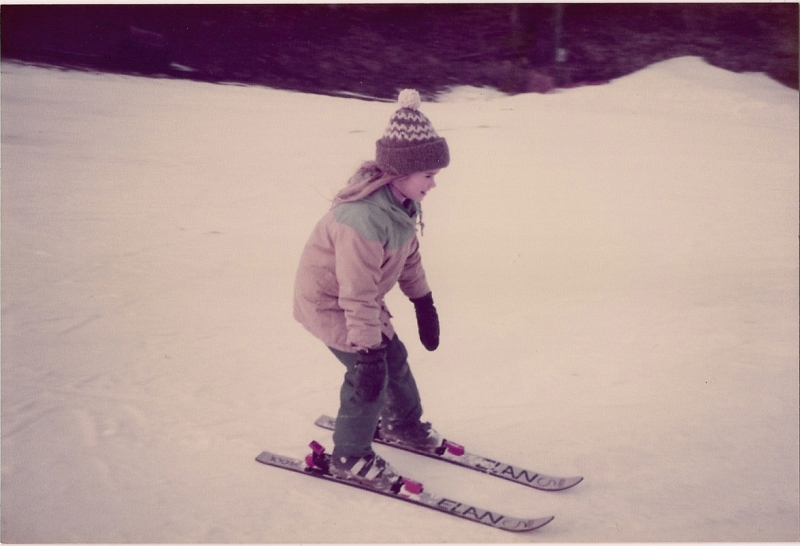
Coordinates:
456 454
316 464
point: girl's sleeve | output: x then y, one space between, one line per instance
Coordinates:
412 280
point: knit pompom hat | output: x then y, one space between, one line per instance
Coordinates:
410 144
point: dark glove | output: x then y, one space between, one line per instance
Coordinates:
427 321
370 374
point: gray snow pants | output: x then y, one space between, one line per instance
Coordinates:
398 403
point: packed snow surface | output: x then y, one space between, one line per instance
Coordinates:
615 268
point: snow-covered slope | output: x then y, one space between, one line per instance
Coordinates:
616 270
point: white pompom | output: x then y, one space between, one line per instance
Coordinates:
409 98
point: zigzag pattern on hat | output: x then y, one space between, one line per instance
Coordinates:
410 132
404 137
413 115
400 123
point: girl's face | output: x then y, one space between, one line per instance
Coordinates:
415 186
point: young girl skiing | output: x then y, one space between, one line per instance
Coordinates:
357 252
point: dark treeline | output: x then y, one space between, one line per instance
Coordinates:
374 49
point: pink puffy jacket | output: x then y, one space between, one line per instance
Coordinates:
357 253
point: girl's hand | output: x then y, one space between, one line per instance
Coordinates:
370 374
427 321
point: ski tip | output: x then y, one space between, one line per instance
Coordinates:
545 521
572 482
550 483
523 526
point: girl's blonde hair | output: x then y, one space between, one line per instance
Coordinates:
369 178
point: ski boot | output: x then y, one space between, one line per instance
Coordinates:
418 435
370 470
